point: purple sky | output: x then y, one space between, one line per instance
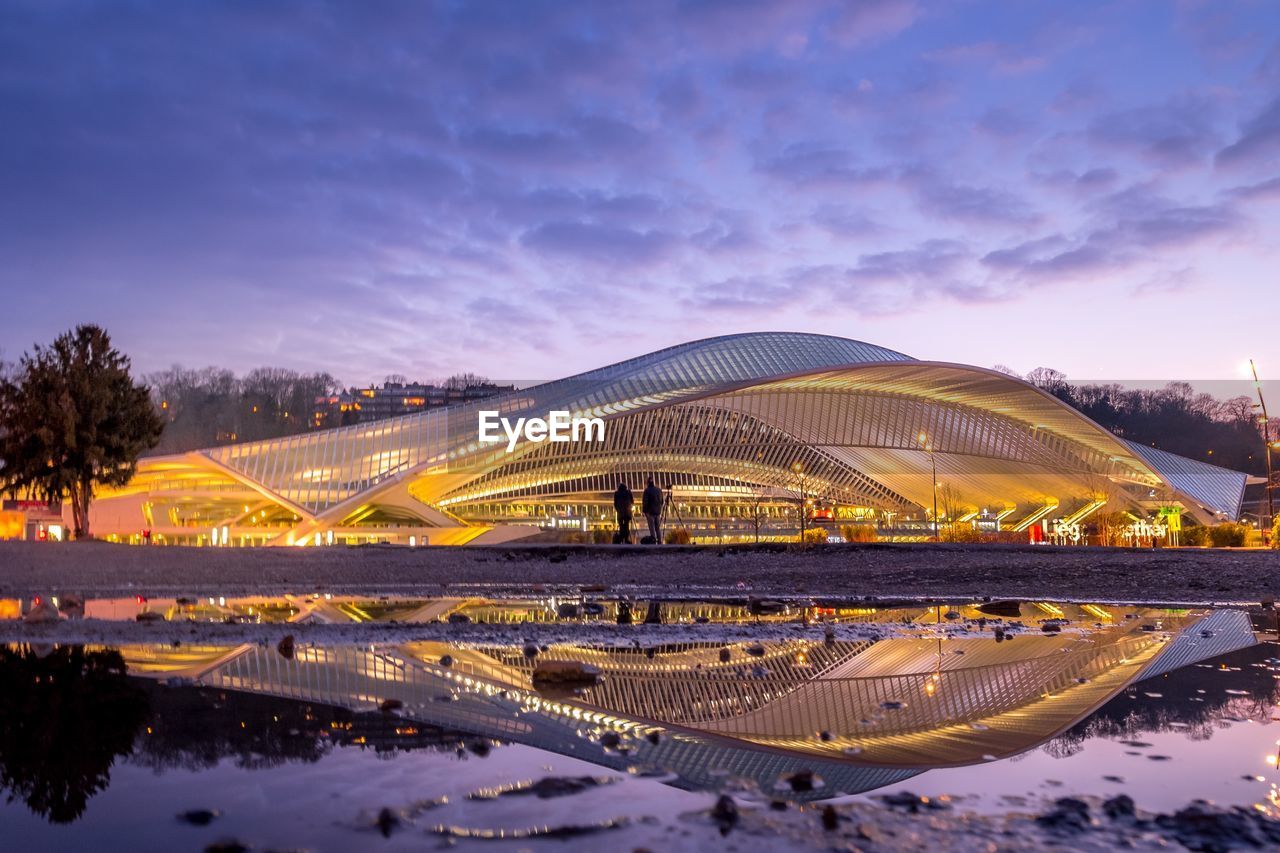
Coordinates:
531 189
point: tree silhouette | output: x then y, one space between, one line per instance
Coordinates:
65 715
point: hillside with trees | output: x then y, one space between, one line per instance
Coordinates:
212 406
1174 418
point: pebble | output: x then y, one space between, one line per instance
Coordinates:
1068 815
387 822
725 814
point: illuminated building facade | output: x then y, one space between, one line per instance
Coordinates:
362 405
739 429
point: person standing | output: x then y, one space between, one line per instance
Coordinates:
651 506
623 501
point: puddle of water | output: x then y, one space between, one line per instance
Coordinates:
578 607
991 706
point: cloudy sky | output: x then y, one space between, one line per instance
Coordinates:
530 189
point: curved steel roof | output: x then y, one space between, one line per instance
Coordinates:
859 406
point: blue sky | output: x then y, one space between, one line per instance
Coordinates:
531 189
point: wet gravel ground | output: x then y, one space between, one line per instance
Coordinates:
1077 824
880 570
910 823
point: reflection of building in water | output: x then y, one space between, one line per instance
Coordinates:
585 610
861 713
1181 704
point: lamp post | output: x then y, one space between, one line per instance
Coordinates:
933 466
1266 440
798 469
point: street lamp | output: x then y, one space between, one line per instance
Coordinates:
1266 440
933 466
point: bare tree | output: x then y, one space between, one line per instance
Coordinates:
463 381
1047 378
952 505
758 516
1236 409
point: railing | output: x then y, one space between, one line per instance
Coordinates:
456 519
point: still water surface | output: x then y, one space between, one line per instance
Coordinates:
337 747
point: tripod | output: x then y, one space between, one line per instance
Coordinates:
669 504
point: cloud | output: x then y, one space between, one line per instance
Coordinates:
892 282
1258 145
815 164
999 57
929 262
1048 258
351 169
869 21
1080 95
1003 122
1132 227
600 243
968 203
1179 132
747 295
1262 191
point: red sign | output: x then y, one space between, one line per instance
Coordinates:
33 506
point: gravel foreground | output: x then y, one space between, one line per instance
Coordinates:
877 570
905 822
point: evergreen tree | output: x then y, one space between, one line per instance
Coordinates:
72 420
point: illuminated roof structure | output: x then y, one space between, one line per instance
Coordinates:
724 422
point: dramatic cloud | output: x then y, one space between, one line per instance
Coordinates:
1258 146
529 188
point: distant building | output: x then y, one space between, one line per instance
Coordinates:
362 405
32 520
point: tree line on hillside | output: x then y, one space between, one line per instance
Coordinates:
1174 418
205 408
212 406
